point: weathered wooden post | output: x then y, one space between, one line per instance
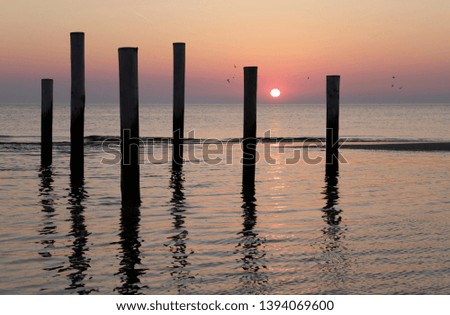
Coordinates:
46 121
332 132
129 126
179 66
249 141
77 104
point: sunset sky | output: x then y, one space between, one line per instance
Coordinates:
366 42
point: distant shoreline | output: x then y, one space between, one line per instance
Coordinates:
394 146
410 146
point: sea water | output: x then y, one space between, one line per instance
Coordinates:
380 226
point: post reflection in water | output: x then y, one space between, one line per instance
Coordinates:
130 269
331 192
48 229
178 242
79 263
251 246
334 263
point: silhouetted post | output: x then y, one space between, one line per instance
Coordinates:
332 141
249 140
46 121
179 66
129 126
77 103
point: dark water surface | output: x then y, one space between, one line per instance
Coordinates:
379 226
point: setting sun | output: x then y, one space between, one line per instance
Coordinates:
275 93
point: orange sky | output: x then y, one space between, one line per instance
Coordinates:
366 42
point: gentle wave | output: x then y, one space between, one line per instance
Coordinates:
389 144
158 139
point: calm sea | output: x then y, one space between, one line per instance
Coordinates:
381 226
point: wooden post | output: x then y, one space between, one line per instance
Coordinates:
129 126
249 140
77 104
332 133
46 121
179 66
